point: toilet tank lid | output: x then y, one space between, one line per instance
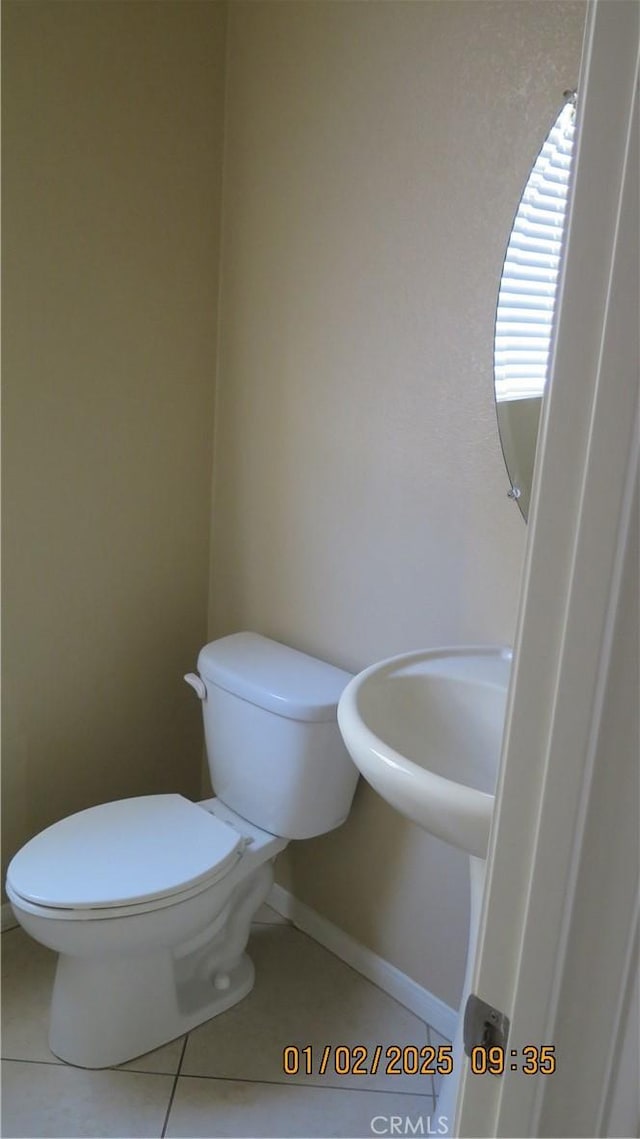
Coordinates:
273 676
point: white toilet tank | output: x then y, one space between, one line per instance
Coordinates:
275 752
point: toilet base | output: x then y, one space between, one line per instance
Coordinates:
131 978
108 1008
108 1011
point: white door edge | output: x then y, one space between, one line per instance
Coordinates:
579 538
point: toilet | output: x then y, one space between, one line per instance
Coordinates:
149 901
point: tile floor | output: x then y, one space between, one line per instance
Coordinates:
224 1078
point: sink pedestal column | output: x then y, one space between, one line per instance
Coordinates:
446 1102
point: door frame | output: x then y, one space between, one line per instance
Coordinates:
580 546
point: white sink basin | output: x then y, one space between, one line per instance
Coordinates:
425 730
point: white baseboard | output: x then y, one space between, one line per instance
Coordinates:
386 976
7 920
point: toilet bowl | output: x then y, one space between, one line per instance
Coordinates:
136 972
149 901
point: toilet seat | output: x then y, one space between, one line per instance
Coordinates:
140 853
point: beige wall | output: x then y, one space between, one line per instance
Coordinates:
359 493
112 135
375 154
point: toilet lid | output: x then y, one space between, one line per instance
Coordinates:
122 853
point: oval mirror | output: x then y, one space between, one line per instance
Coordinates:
526 302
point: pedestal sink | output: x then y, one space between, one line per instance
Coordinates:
425 730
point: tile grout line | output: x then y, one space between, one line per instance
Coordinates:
173 1090
298 1084
20 1060
77 1068
226 1078
433 1079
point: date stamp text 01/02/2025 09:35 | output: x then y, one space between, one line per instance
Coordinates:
411 1060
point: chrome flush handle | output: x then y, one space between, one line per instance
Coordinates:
197 684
